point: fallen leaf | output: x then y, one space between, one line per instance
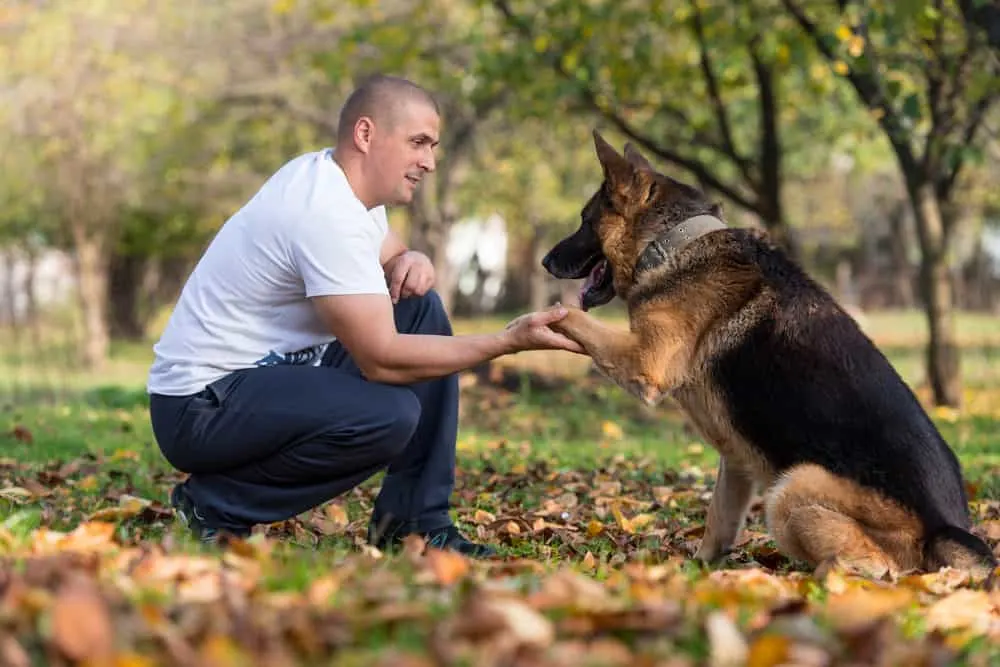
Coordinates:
22 434
337 513
768 650
482 517
965 610
726 645
81 622
858 606
448 566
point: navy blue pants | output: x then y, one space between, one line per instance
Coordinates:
264 444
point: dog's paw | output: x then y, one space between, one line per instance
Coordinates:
645 391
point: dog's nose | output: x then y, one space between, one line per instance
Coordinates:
546 261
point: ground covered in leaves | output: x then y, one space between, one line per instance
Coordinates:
597 504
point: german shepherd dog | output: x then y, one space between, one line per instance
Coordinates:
798 402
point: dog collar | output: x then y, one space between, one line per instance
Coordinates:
676 239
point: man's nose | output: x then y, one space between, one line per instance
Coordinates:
427 163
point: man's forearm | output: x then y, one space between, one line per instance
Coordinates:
410 358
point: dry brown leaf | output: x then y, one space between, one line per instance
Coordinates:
447 566
12 654
321 590
569 589
768 650
337 514
964 610
128 507
727 647
483 517
992 529
858 606
81 622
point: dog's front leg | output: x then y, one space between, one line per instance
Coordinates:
727 511
618 355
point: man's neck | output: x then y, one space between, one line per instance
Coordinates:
355 180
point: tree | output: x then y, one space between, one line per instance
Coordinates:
930 79
717 89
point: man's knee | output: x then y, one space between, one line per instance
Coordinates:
424 314
402 413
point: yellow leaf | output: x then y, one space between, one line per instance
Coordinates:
88 483
482 516
640 521
620 519
856 46
844 32
612 430
589 562
337 513
841 68
280 7
594 528
767 651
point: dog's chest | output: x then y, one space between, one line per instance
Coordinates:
710 416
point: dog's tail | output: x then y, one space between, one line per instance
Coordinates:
951 546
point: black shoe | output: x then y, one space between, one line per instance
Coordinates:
441 538
187 512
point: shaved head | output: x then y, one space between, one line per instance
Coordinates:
382 98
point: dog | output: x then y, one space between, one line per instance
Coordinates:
773 373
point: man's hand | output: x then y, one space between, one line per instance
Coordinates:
409 274
531 331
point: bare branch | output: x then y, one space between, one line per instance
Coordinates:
869 89
721 116
589 97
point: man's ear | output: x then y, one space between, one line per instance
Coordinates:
617 170
364 132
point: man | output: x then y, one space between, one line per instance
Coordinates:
307 350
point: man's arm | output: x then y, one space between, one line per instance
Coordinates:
366 326
392 248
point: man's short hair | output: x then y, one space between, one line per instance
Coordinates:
380 97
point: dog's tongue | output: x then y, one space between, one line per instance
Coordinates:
595 275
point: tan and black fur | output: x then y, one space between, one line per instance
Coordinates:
799 403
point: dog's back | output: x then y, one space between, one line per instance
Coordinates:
804 385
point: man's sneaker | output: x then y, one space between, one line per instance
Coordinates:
187 512
441 538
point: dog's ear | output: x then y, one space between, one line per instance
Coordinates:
617 170
637 159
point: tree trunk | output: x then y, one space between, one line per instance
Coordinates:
942 357
539 277
8 289
124 288
92 280
430 236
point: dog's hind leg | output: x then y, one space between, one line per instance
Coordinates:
829 521
727 511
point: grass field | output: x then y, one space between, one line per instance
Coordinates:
596 502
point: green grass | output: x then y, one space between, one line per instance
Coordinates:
588 482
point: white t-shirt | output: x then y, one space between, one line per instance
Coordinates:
303 234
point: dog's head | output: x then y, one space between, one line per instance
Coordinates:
634 204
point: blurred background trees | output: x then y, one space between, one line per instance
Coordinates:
863 136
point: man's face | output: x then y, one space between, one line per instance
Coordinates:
404 152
